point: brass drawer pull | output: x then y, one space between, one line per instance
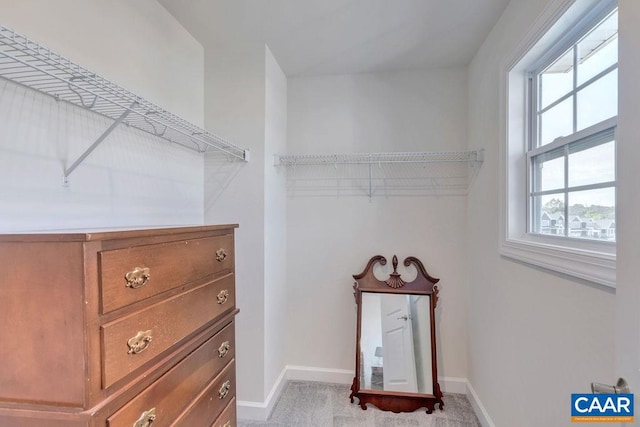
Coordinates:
146 419
224 390
140 342
138 277
227 424
221 254
224 349
223 296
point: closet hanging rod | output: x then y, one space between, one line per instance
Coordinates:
34 66
473 156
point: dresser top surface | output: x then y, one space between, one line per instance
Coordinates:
92 234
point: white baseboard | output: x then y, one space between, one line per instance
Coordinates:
320 375
260 411
453 385
478 407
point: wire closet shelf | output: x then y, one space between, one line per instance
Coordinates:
385 174
32 65
380 158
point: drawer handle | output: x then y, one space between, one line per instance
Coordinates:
227 424
224 390
223 296
224 349
146 419
138 277
140 342
221 254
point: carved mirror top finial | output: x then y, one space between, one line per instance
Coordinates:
395 281
423 281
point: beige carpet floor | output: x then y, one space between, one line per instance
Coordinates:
310 404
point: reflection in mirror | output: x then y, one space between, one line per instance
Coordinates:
396 343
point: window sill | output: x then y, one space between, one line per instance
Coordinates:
590 265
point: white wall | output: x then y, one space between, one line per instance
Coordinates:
535 336
132 179
235 192
628 202
275 223
247 101
331 238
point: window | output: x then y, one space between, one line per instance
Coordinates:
571 154
559 120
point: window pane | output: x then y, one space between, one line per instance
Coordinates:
548 214
598 49
591 165
548 171
574 95
598 101
556 80
592 214
557 121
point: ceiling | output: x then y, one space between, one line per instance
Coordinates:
316 37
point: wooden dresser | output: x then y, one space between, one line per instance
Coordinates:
121 328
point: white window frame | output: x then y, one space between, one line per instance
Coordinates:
593 261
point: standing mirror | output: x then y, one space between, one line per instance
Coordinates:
396 339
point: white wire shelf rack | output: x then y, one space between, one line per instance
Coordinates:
473 156
381 174
32 65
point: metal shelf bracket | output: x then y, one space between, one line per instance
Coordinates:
80 98
105 134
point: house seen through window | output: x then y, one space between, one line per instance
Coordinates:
573 95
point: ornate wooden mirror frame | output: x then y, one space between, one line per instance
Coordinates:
366 284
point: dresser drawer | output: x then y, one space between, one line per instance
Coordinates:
131 341
228 417
168 397
206 409
133 274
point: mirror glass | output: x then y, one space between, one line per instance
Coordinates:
395 343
